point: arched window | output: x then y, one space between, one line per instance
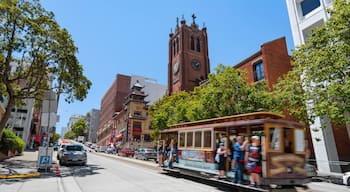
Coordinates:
192 43
198 45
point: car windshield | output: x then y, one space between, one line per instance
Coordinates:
74 148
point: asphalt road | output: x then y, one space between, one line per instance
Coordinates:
109 175
105 173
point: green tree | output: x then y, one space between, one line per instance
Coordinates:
80 128
226 93
320 80
70 135
34 50
55 138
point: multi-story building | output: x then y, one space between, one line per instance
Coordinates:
269 63
63 131
92 120
132 124
49 117
328 142
112 102
20 120
114 99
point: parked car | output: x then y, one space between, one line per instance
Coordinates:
145 154
94 147
55 147
59 150
128 152
72 154
102 149
346 178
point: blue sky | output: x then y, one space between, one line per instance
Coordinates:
131 37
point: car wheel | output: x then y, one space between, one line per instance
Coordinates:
348 181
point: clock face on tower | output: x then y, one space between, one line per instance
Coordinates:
196 65
176 67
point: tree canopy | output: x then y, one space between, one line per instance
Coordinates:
320 79
226 93
35 52
80 128
55 138
69 135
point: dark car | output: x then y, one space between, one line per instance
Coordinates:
72 154
127 152
145 154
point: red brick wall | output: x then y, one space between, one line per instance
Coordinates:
112 102
275 58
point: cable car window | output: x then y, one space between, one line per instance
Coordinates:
189 142
182 140
207 139
198 139
299 140
275 138
288 140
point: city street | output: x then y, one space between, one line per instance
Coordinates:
111 173
104 174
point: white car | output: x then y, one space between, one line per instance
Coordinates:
346 178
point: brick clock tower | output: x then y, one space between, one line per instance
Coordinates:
188 57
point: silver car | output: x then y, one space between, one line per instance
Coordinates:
145 154
72 154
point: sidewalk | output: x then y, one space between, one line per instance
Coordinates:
23 166
336 178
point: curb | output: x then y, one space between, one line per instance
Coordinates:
20 176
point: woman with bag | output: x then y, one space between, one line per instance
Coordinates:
253 161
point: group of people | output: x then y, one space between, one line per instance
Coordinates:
247 156
167 152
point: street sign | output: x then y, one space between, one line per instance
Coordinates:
45 157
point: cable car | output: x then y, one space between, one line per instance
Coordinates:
282 142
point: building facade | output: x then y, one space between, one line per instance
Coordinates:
132 125
111 103
92 120
63 131
21 119
269 63
328 142
188 57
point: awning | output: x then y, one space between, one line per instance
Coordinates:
119 137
